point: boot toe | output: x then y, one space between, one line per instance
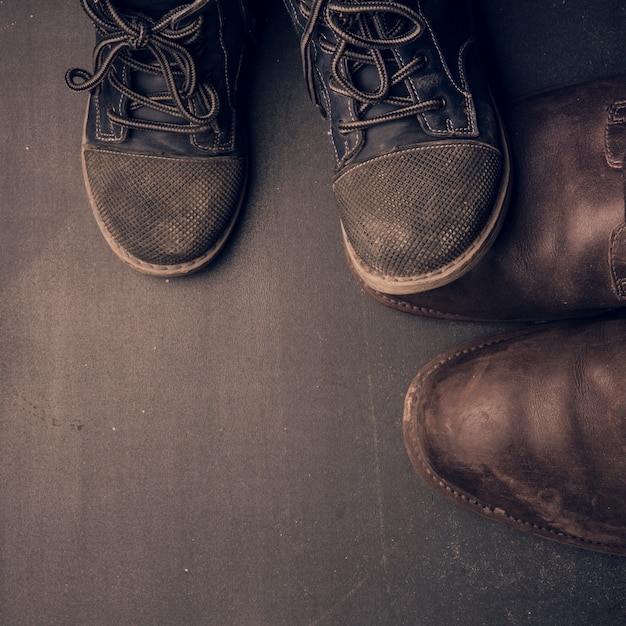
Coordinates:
419 217
164 215
529 430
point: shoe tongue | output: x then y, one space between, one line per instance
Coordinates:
365 76
150 84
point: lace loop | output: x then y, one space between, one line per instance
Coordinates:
166 42
364 33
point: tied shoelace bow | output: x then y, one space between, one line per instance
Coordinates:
362 31
167 41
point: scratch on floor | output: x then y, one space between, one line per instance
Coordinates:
376 442
344 598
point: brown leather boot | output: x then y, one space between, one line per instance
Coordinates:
529 429
562 250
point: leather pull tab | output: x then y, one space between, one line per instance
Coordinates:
617 254
615 136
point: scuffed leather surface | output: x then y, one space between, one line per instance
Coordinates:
561 252
530 430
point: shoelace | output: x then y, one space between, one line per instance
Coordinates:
361 37
167 40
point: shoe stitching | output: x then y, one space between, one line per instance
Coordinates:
614 118
469 101
414 308
217 144
328 107
112 136
454 144
409 307
470 128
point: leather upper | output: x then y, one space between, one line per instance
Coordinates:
216 53
447 72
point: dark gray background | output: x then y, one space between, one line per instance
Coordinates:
227 448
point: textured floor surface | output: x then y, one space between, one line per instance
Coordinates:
226 448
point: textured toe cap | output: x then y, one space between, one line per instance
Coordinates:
164 214
416 218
